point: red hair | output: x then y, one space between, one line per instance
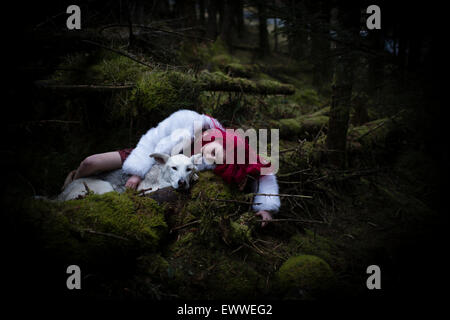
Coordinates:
231 171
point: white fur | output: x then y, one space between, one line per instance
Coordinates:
77 188
160 139
176 171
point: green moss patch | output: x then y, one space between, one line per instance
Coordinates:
97 227
308 273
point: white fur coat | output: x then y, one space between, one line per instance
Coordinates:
163 139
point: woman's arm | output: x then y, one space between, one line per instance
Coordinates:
267 205
267 185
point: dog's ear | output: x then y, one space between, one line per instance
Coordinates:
160 157
196 159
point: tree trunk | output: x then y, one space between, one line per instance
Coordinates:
211 31
226 27
342 89
239 13
264 46
201 6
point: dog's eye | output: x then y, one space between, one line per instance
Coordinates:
174 168
188 169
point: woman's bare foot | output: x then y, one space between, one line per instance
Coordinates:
69 179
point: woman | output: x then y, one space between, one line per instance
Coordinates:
163 139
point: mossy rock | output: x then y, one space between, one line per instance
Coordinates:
320 246
308 274
97 229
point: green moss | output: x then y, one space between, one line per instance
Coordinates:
211 186
100 67
153 265
372 133
307 98
234 279
303 126
165 92
198 270
241 70
315 244
98 226
240 232
308 273
221 61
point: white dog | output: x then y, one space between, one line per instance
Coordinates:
176 171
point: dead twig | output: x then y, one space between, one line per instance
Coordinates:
118 52
232 200
143 191
282 195
105 234
86 187
185 225
292 220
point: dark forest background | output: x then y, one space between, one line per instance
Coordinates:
363 106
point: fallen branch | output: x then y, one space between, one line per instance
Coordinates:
81 87
292 220
143 191
156 29
86 187
105 234
282 195
185 225
118 52
235 201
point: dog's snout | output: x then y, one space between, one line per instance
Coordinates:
181 183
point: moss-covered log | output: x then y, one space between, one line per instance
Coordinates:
241 70
372 133
205 81
218 81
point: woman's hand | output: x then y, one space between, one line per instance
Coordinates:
133 182
265 215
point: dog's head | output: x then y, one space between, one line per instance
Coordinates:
178 170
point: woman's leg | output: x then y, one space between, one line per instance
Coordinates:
98 163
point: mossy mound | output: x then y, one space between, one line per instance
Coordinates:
213 223
241 70
305 273
214 204
303 126
201 270
98 228
371 133
307 98
317 245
